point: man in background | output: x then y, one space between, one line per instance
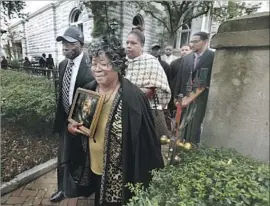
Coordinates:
201 57
156 51
175 67
168 57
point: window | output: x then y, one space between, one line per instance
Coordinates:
75 18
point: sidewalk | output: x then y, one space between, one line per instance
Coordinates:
39 191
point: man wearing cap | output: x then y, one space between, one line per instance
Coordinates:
74 72
155 51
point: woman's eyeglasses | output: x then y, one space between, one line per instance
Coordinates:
101 66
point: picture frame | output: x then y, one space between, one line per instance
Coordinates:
86 109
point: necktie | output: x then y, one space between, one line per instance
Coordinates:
196 60
66 85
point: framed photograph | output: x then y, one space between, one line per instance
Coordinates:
86 108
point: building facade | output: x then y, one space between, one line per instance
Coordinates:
37 34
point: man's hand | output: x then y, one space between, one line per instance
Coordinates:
73 128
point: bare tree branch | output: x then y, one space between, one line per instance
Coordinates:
193 17
148 11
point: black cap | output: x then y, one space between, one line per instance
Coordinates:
72 34
155 46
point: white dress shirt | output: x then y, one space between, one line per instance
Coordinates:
75 69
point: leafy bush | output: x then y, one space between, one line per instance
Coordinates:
207 177
25 99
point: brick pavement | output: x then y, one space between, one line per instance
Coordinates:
39 191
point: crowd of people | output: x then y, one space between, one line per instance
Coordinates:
137 87
46 64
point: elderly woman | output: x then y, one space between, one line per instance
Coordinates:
125 147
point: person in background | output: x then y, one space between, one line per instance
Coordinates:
50 64
168 56
124 148
4 63
73 73
26 62
202 57
175 67
42 63
156 51
145 71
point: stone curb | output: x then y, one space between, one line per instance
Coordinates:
28 176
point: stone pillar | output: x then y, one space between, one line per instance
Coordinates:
237 113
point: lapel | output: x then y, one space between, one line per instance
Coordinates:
202 60
62 69
82 69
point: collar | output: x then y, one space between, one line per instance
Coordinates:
141 57
78 60
199 55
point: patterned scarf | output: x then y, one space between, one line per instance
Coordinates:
146 71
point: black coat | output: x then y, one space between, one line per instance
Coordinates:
175 65
166 68
141 148
186 65
83 77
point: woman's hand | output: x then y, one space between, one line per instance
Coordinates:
149 92
73 128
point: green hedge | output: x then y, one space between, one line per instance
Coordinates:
208 177
26 99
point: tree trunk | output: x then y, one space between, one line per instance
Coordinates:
172 39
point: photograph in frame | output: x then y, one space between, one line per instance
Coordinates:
86 109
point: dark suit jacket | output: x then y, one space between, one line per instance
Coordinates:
166 68
83 77
186 65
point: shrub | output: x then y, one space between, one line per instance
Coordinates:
25 99
207 177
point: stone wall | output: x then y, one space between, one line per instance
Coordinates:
237 113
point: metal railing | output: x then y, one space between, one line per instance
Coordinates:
51 74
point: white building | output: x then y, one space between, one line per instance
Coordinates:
37 34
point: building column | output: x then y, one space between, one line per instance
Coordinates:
55 33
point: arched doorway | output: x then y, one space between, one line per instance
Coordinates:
75 18
138 21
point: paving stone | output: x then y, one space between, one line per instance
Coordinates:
27 192
17 192
46 201
5 198
85 203
73 202
64 202
29 185
16 200
29 201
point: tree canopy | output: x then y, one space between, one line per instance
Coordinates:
103 20
174 14
12 9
